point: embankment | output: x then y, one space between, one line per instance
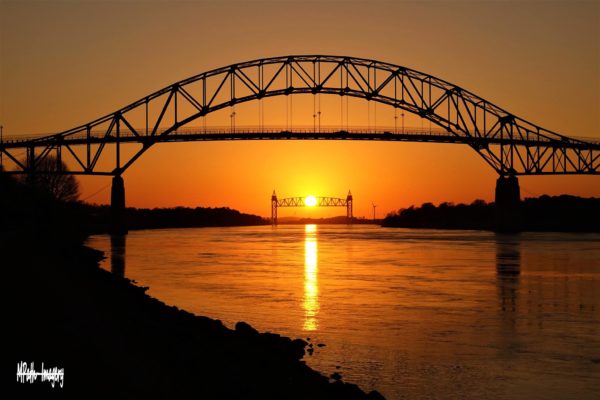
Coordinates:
112 339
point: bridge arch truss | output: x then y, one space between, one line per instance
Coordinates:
509 144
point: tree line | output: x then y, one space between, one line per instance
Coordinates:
545 213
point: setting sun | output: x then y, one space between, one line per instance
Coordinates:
310 201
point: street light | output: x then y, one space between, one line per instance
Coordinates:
232 116
319 114
402 115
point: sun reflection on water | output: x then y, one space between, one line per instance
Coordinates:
311 286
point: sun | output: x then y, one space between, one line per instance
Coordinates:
310 201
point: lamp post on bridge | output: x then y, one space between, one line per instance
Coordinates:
319 114
402 115
232 116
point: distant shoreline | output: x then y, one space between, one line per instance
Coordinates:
98 218
541 214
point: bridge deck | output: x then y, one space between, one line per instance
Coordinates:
251 133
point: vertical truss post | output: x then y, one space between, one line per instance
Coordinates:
30 163
176 90
58 158
88 146
30 157
118 144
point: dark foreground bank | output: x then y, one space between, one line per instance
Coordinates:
112 339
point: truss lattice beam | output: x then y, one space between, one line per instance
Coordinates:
509 144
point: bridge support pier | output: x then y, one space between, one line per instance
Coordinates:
508 204
118 223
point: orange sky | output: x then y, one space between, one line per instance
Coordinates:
65 63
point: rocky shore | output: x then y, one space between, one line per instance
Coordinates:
112 339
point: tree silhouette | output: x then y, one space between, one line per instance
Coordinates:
53 181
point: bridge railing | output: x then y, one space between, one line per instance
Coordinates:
247 129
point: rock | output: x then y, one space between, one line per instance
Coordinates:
245 329
297 347
336 375
298 342
321 345
375 395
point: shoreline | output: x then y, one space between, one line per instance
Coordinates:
111 337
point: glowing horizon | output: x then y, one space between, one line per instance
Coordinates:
79 83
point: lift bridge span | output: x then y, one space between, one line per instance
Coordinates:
318 202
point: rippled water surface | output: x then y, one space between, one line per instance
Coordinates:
414 314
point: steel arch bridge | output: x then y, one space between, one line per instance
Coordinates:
509 144
321 202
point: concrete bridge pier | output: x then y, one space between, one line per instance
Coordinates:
118 223
508 204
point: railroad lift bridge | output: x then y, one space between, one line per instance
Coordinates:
319 202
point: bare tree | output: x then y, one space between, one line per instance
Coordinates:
52 180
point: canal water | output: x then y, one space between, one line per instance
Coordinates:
414 314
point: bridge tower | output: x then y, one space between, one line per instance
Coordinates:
508 203
118 223
349 206
274 208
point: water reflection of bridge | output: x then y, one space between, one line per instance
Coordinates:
508 270
118 246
